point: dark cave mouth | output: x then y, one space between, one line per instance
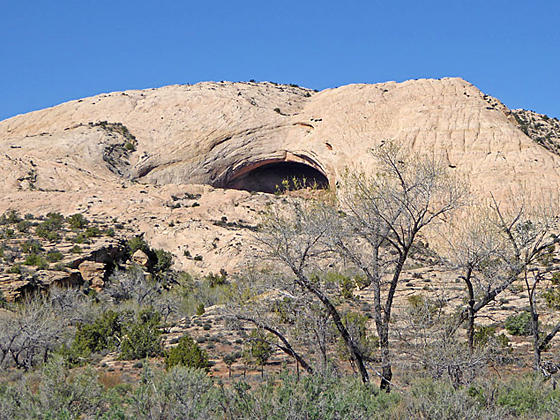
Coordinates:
279 176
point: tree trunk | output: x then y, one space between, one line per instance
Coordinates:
386 369
471 311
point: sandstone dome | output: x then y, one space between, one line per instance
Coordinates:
147 157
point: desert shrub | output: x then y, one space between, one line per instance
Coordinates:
37 261
7 234
76 249
179 393
552 297
132 284
217 279
55 393
430 399
164 260
54 256
93 232
142 337
10 217
355 323
80 238
15 269
186 353
23 226
136 243
103 333
529 396
200 309
77 221
519 324
31 246
319 396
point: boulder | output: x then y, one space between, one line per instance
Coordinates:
93 273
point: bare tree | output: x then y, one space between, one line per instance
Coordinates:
530 229
298 235
372 231
269 302
30 333
475 248
385 213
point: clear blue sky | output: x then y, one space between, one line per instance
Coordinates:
54 51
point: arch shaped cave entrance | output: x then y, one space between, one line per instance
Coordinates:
275 176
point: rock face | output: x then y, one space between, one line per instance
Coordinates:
172 162
93 274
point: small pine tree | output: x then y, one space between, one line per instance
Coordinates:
187 353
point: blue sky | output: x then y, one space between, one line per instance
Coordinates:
54 51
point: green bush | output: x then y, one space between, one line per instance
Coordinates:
142 338
76 249
136 243
15 269
37 261
31 246
519 324
77 221
103 333
529 396
552 297
164 260
54 255
10 217
186 353
23 226
80 238
93 232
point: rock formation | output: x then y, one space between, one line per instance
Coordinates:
190 166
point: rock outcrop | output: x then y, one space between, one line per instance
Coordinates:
173 162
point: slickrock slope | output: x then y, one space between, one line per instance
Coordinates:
133 154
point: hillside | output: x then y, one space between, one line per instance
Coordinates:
173 162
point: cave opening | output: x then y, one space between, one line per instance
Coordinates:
279 176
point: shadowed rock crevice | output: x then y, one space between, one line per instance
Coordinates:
277 175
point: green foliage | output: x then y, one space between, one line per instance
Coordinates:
259 349
186 353
164 260
15 269
552 297
103 333
80 238
8 233
31 246
200 309
529 396
519 324
76 249
37 261
77 221
129 146
136 243
356 324
93 232
10 217
50 228
54 255
142 337
215 280
23 226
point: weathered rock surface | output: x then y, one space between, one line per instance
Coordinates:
93 273
160 162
